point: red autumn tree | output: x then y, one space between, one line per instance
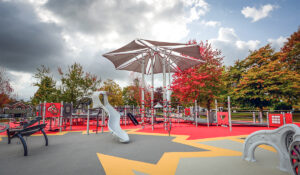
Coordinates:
202 82
5 88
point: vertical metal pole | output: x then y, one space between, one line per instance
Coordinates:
121 116
61 116
207 117
229 113
216 103
268 120
178 114
71 117
169 90
102 120
164 92
88 121
40 109
254 118
143 93
196 113
261 116
44 112
133 111
125 114
152 91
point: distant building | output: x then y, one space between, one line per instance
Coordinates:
18 109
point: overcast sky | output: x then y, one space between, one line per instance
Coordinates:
61 32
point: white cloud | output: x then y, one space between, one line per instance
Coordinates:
197 8
22 83
277 43
210 23
251 44
231 46
258 14
227 34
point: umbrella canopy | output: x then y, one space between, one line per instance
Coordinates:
141 55
129 57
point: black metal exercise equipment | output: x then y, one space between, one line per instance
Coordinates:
27 130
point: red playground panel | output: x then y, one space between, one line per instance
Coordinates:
52 109
275 120
224 120
288 118
187 111
278 120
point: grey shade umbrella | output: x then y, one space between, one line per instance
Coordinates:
141 55
129 57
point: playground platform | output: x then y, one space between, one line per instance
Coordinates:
188 150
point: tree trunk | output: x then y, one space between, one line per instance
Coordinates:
208 105
208 102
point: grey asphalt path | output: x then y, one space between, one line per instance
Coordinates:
266 163
75 153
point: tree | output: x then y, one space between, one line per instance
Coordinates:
231 77
158 95
5 88
251 90
291 52
77 84
129 96
266 81
132 94
46 87
115 92
202 82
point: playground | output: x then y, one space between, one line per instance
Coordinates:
188 150
95 137
81 143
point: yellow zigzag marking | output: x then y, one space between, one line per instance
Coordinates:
168 162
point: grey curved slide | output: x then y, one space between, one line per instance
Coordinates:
113 116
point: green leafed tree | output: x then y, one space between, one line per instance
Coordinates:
251 90
291 52
265 80
114 92
77 84
46 87
129 96
132 93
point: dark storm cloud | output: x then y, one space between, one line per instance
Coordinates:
98 16
25 41
94 16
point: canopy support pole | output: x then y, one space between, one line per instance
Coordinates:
216 104
152 91
143 92
169 94
164 94
196 113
